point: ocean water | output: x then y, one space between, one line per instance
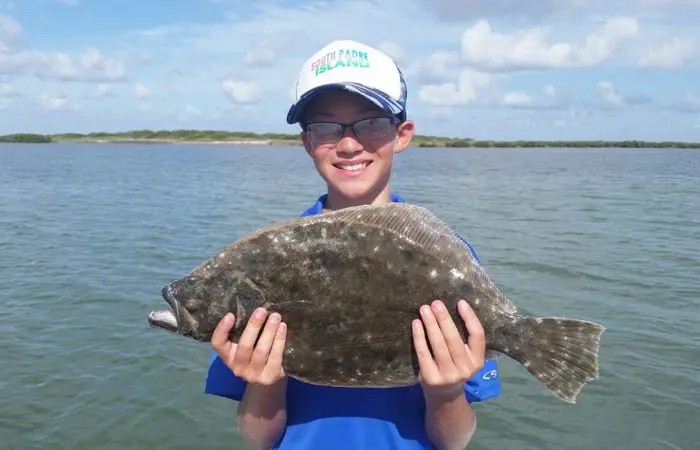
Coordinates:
90 233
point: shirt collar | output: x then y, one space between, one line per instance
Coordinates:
317 208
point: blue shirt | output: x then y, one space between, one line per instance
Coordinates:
353 418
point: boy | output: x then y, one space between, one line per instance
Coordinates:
351 105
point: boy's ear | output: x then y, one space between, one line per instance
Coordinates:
404 134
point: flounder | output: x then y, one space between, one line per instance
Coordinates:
348 283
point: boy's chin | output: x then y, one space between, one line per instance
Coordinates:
357 191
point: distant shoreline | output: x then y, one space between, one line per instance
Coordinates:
217 137
173 141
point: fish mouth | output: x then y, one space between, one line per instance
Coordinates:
168 319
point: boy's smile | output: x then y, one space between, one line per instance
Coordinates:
351 168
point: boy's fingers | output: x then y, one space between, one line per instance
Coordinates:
425 358
274 362
220 338
264 344
253 327
477 337
437 340
453 340
250 334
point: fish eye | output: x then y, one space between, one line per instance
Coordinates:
192 304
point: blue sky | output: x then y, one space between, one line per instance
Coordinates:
487 69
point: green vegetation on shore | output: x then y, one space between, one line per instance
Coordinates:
26 138
234 137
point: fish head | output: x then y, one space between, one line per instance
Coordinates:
199 301
186 307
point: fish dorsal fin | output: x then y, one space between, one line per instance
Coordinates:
415 224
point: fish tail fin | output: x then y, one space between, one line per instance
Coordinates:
561 353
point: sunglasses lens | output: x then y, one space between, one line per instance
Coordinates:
372 130
322 132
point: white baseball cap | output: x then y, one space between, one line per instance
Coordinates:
354 67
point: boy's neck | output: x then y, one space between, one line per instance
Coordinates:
336 200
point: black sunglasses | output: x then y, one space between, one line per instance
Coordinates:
370 130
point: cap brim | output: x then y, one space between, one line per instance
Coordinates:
379 98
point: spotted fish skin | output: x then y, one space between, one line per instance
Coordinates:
349 283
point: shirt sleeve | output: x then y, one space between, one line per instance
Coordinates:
222 382
485 384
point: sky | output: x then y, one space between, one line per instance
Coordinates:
483 69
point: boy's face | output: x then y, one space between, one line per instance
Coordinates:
356 169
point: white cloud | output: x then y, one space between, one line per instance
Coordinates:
470 88
8 90
555 97
102 90
669 55
439 66
10 34
15 58
90 66
482 89
53 102
529 48
141 90
517 99
611 97
241 91
262 55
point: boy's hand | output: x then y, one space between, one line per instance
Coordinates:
454 362
258 364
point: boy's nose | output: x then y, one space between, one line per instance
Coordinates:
349 141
